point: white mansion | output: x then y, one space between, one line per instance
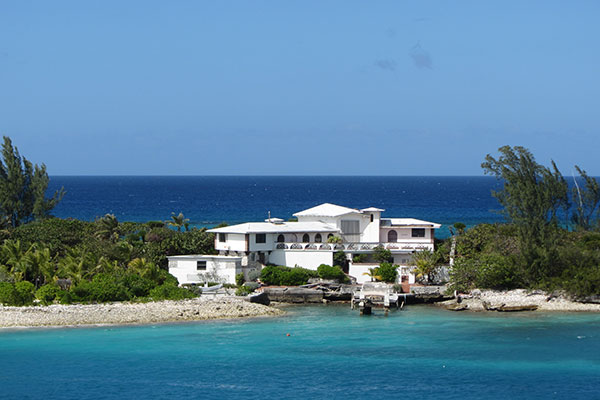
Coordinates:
249 246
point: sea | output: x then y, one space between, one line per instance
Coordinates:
210 200
313 352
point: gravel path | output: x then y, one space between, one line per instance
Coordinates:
521 297
133 313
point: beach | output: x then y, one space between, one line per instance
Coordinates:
202 308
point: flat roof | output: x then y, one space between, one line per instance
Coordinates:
408 222
285 227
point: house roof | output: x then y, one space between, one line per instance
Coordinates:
372 209
326 210
285 227
408 222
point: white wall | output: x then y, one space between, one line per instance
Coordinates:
306 259
234 242
185 268
358 270
370 232
404 235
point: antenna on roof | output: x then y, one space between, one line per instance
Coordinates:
269 213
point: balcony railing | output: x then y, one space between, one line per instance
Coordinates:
354 246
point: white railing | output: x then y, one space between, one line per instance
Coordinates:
412 246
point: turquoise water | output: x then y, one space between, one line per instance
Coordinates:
421 352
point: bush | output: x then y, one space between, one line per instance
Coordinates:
47 293
489 271
359 258
8 294
25 292
239 279
286 276
17 294
136 285
243 290
382 255
328 272
253 275
387 272
168 291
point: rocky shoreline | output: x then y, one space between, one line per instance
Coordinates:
516 300
133 313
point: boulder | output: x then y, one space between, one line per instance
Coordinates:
260 298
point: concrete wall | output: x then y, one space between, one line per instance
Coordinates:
302 258
370 232
218 268
404 235
234 242
358 270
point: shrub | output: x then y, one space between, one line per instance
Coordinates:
387 272
47 293
25 292
253 275
8 294
286 276
359 258
243 290
382 255
239 279
168 291
328 272
339 258
136 285
107 287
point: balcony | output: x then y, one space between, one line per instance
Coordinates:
413 246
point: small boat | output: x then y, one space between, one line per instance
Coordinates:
211 289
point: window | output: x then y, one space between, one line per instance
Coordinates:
392 236
261 238
200 265
329 236
371 217
318 238
280 239
305 238
351 230
418 232
222 237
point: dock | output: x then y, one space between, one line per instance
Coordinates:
378 295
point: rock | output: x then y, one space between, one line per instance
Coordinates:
260 298
527 307
476 293
294 295
457 307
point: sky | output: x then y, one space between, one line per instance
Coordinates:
298 87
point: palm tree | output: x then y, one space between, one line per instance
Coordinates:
13 255
179 221
108 228
40 262
76 265
373 274
425 265
144 268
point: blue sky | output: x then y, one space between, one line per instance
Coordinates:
298 87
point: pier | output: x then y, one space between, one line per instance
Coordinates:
378 295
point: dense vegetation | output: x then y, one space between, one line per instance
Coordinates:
296 276
76 261
551 240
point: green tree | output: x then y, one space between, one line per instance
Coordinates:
425 265
179 221
23 188
532 196
382 255
108 228
586 199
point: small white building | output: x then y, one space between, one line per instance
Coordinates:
205 268
305 243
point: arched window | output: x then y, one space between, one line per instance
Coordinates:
305 238
294 238
280 239
318 238
392 236
329 236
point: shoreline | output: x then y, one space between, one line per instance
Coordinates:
125 313
517 300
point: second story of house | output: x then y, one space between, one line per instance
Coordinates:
317 224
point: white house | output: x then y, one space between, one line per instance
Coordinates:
251 245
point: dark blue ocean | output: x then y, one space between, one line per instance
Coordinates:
422 352
209 200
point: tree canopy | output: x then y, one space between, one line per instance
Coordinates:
23 188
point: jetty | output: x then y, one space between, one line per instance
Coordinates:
378 295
